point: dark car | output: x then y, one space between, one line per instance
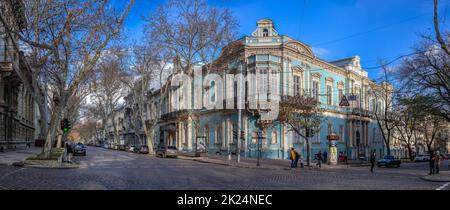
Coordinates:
389 161
122 147
166 151
79 149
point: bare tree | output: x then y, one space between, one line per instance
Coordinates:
406 127
71 36
430 126
443 43
384 105
107 90
194 32
300 113
138 80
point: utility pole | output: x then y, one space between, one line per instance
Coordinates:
259 138
360 115
239 130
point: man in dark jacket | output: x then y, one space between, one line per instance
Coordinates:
319 159
69 152
297 156
372 161
431 163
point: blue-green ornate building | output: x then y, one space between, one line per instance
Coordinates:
300 72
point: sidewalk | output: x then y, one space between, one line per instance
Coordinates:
273 164
443 176
10 156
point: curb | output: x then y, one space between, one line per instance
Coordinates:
239 166
426 178
50 167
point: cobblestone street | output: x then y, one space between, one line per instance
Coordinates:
109 169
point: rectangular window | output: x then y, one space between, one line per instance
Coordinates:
235 133
262 57
219 134
297 85
341 94
316 90
275 58
330 128
341 132
329 95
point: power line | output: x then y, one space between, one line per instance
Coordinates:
368 31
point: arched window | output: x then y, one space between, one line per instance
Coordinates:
265 32
274 137
206 130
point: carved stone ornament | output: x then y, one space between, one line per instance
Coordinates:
298 69
299 48
316 75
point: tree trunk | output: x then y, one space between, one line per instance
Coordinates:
308 152
53 126
58 143
410 152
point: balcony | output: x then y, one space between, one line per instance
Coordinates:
362 112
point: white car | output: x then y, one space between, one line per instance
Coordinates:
131 149
422 158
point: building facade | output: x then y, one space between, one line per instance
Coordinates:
299 71
17 110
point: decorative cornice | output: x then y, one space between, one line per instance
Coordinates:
298 69
316 75
329 79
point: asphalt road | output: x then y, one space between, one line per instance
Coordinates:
108 169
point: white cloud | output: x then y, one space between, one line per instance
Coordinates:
320 51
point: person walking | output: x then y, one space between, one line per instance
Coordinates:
431 163
319 159
297 156
325 156
372 161
437 161
292 156
69 152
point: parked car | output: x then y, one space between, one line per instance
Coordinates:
122 147
106 146
446 157
389 161
79 149
143 149
132 148
166 151
422 158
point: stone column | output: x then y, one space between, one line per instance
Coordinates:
189 137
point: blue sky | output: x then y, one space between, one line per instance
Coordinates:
372 29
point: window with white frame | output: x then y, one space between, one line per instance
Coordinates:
341 94
297 85
218 135
274 137
315 90
329 95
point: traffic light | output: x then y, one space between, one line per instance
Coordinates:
65 125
